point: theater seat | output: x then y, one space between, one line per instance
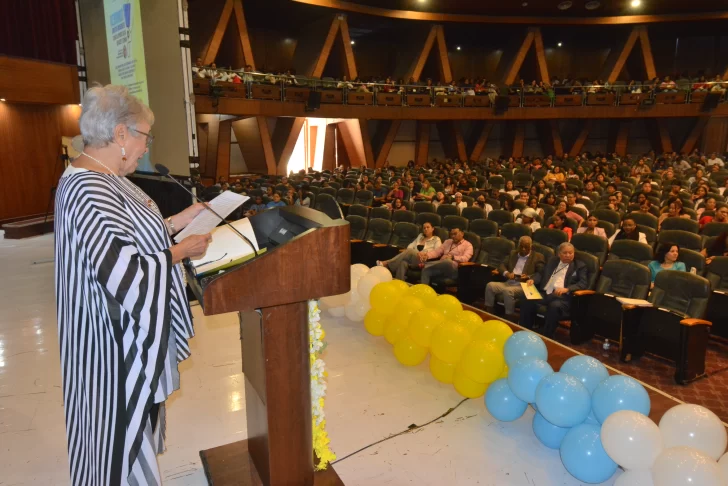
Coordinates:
595 313
403 216
484 228
450 222
424 207
472 279
402 235
446 210
714 229
608 227
717 275
365 198
379 231
631 250
682 224
544 250
381 212
345 196
358 227
514 231
592 244
550 237
692 259
673 328
472 213
432 218
500 216
608 215
683 239
644 219
358 210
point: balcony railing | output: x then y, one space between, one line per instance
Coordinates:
286 88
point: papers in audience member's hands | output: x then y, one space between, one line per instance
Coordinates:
531 291
637 302
206 221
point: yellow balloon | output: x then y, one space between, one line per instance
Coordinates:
449 341
408 352
395 329
408 305
470 320
399 287
424 292
443 372
467 387
494 331
422 324
504 374
384 297
375 322
448 305
482 362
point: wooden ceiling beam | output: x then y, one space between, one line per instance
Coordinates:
664 133
422 59
214 46
392 128
270 159
580 139
694 136
543 68
445 71
422 143
222 167
481 142
349 61
367 141
517 61
284 140
519 138
624 54
243 30
511 19
647 53
326 49
556 137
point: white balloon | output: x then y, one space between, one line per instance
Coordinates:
358 270
361 308
694 426
632 440
382 273
351 314
365 286
723 465
635 477
337 311
685 466
353 297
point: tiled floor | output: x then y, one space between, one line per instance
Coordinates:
370 397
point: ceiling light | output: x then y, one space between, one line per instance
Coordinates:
352 43
559 44
458 48
2 99
636 3
524 4
421 1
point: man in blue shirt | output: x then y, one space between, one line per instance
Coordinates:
276 202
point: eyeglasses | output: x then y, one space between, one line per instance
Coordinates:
150 137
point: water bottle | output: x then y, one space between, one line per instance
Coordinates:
693 270
605 348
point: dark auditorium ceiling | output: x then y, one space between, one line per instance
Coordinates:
549 8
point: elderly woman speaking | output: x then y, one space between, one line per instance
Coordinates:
123 317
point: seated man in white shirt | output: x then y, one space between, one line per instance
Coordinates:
715 160
459 203
571 202
519 267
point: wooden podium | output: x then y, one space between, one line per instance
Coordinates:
307 257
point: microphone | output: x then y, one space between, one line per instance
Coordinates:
164 171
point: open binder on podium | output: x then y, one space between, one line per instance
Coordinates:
306 256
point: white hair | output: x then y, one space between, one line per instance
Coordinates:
565 246
105 107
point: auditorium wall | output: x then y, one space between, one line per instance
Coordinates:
32 134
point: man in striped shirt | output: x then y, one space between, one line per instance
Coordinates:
449 255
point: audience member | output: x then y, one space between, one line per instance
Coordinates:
556 282
628 231
559 223
666 259
591 227
415 254
454 251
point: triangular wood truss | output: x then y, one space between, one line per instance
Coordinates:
338 26
533 37
214 47
638 32
437 34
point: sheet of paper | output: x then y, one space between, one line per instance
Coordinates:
206 221
531 292
637 302
226 246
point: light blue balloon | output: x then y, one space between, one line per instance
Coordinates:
563 400
524 344
586 369
525 375
502 404
584 457
549 434
591 419
619 393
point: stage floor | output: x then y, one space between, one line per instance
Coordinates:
370 397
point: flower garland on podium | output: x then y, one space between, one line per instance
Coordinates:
318 387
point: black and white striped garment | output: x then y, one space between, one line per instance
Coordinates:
123 325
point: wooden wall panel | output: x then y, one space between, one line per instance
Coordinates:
30 136
284 140
222 169
367 142
481 141
422 59
624 54
265 140
715 136
580 139
214 46
519 138
326 49
243 33
445 71
647 53
248 134
329 158
389 131
29 81
422 143
515 64
350 135
694 135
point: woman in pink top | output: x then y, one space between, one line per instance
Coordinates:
591 228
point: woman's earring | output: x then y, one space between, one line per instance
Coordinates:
123 154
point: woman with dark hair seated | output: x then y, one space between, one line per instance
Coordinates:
591 228
674 210
628 231
559 223
415 253
718 248
666 259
